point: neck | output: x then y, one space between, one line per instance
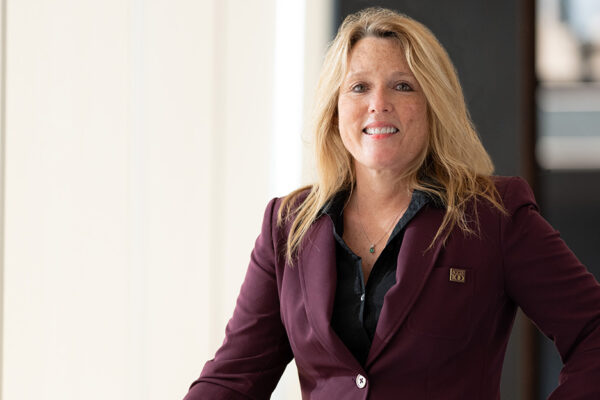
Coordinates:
381 192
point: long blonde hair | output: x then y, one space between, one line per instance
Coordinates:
454 166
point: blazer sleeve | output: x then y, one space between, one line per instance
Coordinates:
256 350
555 290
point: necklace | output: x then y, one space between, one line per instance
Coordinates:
386 232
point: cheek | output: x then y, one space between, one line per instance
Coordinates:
417 117
345 135
348 113
418 126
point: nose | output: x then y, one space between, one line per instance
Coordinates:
379 101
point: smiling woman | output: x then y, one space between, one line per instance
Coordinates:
397 274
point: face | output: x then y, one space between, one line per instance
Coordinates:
381 109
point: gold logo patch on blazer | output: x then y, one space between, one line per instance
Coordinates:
458 275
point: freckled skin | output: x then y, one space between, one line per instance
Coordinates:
379 87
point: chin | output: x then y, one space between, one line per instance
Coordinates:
384 166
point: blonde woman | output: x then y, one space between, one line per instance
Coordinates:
398 273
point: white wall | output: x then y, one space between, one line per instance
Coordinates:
138 148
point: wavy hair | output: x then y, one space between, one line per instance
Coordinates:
454 166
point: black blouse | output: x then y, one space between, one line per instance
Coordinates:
356 308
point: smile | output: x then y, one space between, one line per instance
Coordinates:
380 131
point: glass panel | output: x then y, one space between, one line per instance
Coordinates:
568 69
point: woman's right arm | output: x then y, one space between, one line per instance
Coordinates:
256 350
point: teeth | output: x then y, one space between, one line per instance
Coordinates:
378 131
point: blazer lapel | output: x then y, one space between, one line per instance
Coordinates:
318 278
413 268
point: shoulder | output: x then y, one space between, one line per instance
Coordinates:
512 185
283 208
291 201
514 192
298 196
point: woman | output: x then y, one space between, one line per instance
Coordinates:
398 274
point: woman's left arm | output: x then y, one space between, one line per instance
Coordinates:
543 276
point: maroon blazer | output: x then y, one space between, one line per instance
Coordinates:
444 325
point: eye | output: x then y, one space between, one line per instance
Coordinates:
403 87
358 88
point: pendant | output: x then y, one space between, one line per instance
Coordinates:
372 249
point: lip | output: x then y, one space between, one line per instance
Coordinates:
379 124
380 136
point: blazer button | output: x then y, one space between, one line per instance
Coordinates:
361 381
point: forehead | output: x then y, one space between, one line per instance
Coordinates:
372 54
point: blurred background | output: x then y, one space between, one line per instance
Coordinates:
142 139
